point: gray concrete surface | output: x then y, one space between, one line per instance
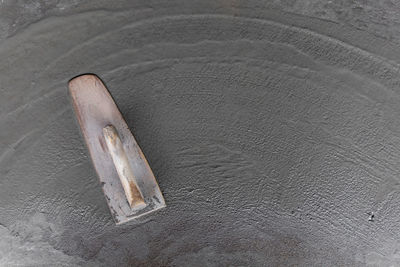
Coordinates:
272 127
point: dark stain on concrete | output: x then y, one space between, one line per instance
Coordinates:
272 129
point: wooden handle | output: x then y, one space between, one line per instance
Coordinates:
121 163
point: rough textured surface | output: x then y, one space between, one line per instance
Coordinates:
272 128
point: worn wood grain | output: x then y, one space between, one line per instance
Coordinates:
121 163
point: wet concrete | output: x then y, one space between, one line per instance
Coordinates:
272 129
